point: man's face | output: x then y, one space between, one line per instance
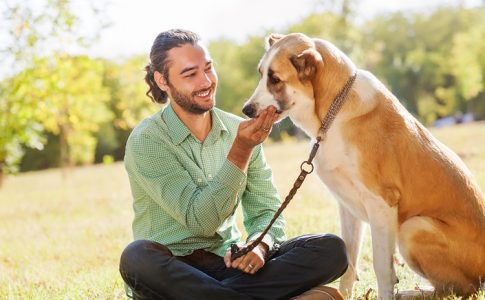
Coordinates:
192 80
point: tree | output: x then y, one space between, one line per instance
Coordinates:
71 104
30 30
128 103
432 62
18 125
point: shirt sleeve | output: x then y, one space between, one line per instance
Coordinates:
260 201
155 167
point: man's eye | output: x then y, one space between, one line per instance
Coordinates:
190 75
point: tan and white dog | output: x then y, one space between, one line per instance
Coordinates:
382 165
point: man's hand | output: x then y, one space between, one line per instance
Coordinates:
249 263
254 131
249 134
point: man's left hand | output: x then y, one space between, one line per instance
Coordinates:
249 263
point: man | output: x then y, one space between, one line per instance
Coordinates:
190 166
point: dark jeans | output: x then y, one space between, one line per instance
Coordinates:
152 272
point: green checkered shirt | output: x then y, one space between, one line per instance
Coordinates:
186 192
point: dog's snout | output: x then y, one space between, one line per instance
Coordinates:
249 110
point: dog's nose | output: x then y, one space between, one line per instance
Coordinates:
249 110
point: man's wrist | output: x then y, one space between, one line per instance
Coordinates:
266 245
264 248
240 154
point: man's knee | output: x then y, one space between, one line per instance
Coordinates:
137 258
331 247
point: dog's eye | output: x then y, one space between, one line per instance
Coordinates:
274 80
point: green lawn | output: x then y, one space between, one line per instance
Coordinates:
61 238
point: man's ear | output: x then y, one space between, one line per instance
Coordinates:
306 63
160 81
271 39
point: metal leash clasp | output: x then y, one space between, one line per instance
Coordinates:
307 165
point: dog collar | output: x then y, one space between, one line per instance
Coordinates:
335 107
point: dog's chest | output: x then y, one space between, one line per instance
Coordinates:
336 164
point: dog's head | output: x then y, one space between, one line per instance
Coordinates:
287 70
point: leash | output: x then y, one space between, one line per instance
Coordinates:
306 167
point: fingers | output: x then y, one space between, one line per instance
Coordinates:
227 258
249 263
269 118
254 131
261 127
259 121
236 264
264 121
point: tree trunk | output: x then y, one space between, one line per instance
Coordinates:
2 174
65 161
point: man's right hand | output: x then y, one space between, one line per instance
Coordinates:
249 263
251 133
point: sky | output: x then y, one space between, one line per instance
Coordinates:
135 24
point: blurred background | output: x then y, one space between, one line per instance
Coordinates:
71 78
72 89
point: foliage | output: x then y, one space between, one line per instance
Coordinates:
433 62
127 102
31 30
67 109
18 125
236 66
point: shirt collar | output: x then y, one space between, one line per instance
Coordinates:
179 132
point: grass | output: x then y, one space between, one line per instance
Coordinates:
61 238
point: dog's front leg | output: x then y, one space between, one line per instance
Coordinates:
383 224
352 233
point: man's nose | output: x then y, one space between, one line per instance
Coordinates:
206 80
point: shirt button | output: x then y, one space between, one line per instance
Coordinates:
199 180
210 176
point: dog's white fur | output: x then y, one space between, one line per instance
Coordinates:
383 167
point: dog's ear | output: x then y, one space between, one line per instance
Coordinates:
306 63
271 39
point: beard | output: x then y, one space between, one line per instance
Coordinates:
186 101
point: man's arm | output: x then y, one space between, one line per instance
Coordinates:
155 167
153 164
250 134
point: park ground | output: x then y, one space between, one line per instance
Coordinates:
60 238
